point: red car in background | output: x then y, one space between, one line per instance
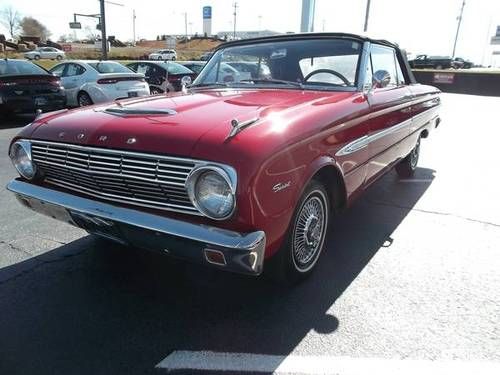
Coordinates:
241 174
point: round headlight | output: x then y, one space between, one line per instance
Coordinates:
211 192
20 154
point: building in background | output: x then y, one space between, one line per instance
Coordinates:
207 21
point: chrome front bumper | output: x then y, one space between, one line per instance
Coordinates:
242 252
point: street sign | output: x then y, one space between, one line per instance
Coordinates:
171 42
75 25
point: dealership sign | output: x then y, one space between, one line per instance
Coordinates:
447 78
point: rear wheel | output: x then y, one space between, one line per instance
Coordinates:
37 57
306 237
84 99
406 168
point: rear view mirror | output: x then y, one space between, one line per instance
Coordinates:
381 78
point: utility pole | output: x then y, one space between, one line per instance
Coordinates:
103 32
133 25
186 28
260 22
367 15
235 5
458 29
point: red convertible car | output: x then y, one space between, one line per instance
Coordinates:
239 172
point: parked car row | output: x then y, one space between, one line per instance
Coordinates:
439 62
26 87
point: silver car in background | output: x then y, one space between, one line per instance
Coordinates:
88 82
50 53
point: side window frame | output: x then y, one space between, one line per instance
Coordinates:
373 47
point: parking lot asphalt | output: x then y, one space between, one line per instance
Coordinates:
411 271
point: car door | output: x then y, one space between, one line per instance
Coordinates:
390 108
72 81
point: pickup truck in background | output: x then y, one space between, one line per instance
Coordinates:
439 62
431 62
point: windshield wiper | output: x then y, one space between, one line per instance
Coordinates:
206 85
272 80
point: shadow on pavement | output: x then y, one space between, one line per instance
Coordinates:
90 307
15 121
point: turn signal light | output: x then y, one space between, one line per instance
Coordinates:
215 257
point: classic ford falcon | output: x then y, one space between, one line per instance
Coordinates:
244 169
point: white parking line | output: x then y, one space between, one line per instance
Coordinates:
294 364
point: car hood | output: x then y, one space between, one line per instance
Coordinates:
140 125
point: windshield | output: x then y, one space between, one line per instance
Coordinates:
174 68
109 67
19 67
306 63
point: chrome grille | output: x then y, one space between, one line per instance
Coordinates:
134 178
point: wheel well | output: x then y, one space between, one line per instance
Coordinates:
332 180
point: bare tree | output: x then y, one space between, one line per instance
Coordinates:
91 34
32 27
10 18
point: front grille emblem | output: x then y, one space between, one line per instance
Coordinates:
131 141
80 136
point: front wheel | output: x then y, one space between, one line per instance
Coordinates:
306 236
37 57
59 58
406 168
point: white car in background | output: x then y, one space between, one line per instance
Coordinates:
88 82
164 54
45 53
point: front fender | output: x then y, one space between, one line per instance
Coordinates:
278 186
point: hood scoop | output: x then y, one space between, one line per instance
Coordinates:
128 112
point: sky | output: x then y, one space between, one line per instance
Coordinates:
423 26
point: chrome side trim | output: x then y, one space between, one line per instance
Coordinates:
244 252
362 142
365 140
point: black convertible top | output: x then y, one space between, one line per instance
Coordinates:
281 37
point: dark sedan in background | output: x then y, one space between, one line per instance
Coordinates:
26 87
163 76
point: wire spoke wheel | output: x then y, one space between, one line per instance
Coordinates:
309 231
414 155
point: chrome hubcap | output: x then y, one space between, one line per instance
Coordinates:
309 232
414 155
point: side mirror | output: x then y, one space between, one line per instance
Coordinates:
380 79
186 81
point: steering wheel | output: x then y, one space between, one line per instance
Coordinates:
330 71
